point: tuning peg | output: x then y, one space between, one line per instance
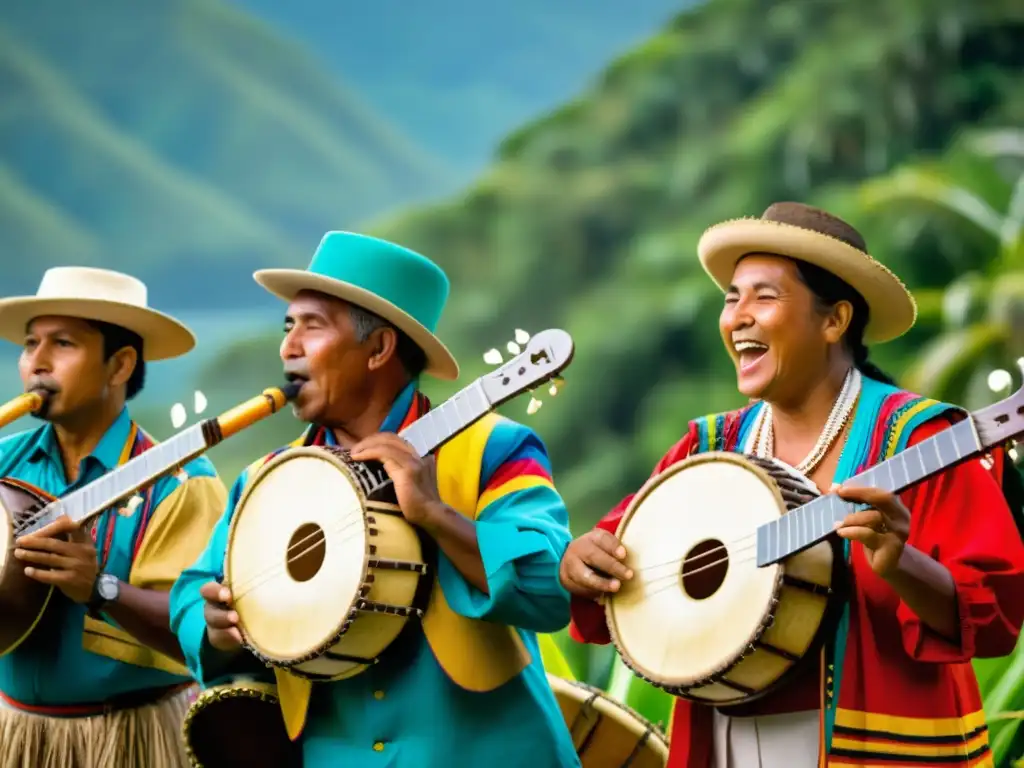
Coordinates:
178 415
521 336
493 357
533 406
999 380
199 402
556 384
513 348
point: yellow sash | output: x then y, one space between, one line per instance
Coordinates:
476 655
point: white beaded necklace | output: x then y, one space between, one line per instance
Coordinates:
764 433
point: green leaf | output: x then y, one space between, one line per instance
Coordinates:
928 184
944 367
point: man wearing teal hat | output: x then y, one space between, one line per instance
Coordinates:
466 685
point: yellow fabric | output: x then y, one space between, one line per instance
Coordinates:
177 532
476 655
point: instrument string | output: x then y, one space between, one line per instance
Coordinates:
713 550
674 580
694 559
265 575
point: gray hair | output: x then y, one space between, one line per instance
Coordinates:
409 354
365 322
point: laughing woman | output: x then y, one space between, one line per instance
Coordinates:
937 573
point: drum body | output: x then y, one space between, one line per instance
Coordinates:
22 600
238 725
606 733
699 619
324 574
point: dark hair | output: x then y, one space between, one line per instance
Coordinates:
412 358
828 291
116 338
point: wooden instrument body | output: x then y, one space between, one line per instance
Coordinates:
238 725
356 565
606 733
23 601
744 631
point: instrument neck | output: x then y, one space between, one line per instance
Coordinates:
814 522
441 424
117 485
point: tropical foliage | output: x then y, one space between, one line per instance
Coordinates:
893 115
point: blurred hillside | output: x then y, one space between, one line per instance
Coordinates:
480 68
590 217
181 137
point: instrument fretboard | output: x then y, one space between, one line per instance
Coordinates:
807 525
120 483
441 424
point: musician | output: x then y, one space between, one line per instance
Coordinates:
100 682
937 572
466 686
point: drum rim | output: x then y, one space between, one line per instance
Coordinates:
660 742
745 461
244 689
333 456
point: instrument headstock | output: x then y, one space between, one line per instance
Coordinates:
544 357
1002 422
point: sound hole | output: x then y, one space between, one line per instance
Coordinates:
306 551
704 569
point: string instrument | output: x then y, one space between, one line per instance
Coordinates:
344 536
738 574
605 732
27 509
313 522
22 405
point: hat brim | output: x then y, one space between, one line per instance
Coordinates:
287 283
892 310
163 337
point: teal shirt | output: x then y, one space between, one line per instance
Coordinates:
51 668
405 711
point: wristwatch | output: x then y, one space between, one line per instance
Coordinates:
104 591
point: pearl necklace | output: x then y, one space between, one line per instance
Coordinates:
842 409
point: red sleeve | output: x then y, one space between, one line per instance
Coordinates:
961 519
588 623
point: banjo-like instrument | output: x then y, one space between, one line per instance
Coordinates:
313 522
737 573
27 509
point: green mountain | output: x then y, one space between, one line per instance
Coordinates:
459 74
166 136
590 218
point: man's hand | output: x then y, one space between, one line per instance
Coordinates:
883 529
221 621
71 565
592 565
415 477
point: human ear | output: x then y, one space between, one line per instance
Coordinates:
837 321
384 344
121 365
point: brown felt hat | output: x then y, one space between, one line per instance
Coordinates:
809 234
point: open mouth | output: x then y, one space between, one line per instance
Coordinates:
750 353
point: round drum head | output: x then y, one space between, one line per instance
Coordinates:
697 597
297 553
230 727
605 733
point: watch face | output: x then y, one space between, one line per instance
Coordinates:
107 587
